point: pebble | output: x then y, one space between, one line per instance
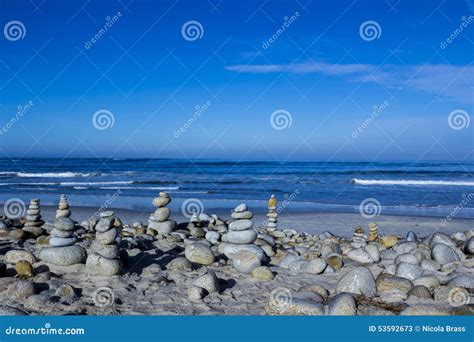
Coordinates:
63 256
64 223
241 225
387 283
106 237
295 307
440 238
199 253
212 237
24 269
23 289
409 271
430 265
196 293
287 260
374 252
335 262
430 282
411 236
97 265
444 254
208 282
465 281
360 255
263 273
420 291
298 266
230 250
359 280
425 310
240 237
343 304
179 264
15 255
65 291
246 261
316 266
62 242
469 246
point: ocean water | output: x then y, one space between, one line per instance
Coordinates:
422 189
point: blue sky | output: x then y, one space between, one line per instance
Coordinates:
319 71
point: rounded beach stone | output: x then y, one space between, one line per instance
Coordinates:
104 224
100 266
241 225
298 266
358 281
62 233
63 213
387 283
106 213
199 253
162 228
409 271
334 261
430 265
24 269
242 215
360 255
374 252
195 293
65 291
15 255
62 242
162 214
246 261
343 304
444 254
411 237
64 223
441 238
263 273
420 291
213 237
463 280
241 208
161 201
316 266
408 257
208 282
287 260
240 237
469 246
230 250
179 264
426 310
63 256
110 251
23 289
108 237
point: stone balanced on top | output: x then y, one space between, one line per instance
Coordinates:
104 257
272 214
63 209
63 250
158 221
359 239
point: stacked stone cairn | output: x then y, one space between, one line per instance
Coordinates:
104 257
238 243
158 223
359 239
373 232
33 218
63 250
272 214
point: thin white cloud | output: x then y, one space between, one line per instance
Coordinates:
443 80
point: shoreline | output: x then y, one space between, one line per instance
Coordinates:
342 224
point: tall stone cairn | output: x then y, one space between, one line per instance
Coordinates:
159 222
63 250
272 215
104 257
359 239
33 214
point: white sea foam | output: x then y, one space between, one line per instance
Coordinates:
138 188
52 174
94 183
411 182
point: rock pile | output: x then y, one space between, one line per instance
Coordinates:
373 232
63 250
63 208
33 218
158 222
359 239
272 214
238 241
104 257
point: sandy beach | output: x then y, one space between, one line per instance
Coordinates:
312 264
